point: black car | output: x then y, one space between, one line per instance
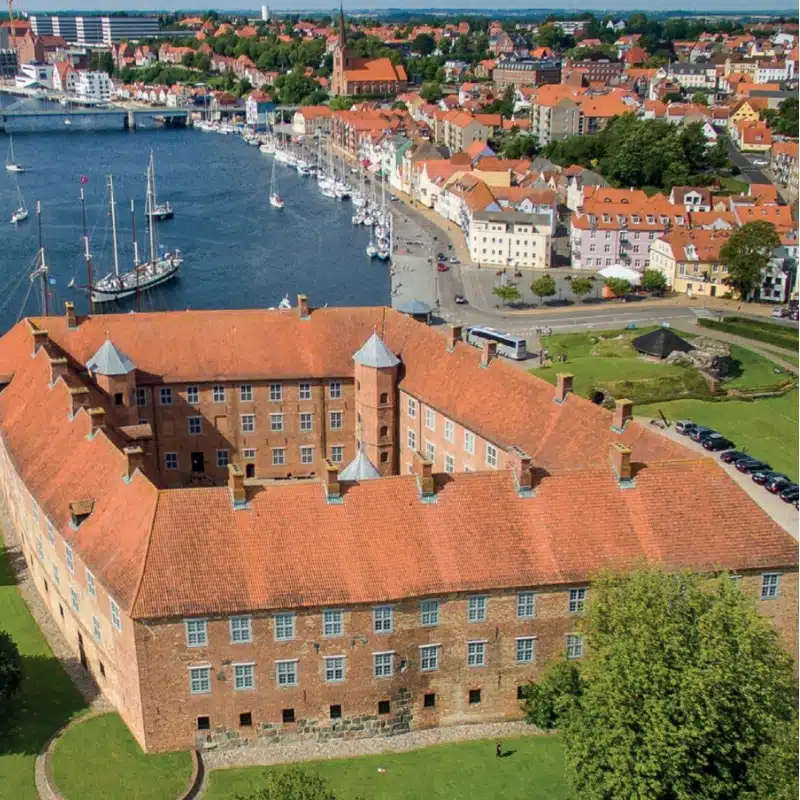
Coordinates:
777 483
790 494
733 456
750 464
762 476
700 432
716 443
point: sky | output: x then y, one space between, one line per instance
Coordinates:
700 6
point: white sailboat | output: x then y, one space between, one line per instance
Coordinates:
11 162
274 198
157 210
372 250
21 211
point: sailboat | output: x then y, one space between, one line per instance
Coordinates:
21 212
157 210
42 271
274 198
11 162
372 251
156 270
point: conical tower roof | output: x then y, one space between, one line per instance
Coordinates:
109 360
375 353
359 469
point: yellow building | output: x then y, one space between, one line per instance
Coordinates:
689 260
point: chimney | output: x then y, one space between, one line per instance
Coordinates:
236 485
453 336
98 420
72 319
78 399
302 306
58 369
563 386
332 488
623 413
135 456
488 352
620 457
521 466
423 469
39 340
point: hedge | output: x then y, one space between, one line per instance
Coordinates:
757 334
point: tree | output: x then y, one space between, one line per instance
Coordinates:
654 281
431 92
619 286
553 698
424 44
581 286
701 98
341 103
291 784
519 145
508 293
10 668
187 60
746 255
687 693
544 287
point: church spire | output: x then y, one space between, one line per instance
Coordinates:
342 36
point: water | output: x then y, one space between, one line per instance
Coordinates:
239 252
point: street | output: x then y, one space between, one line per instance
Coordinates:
750 172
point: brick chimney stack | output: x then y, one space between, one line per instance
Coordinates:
521 466
623 414
423 469
72 319
236 485
453 336
488 352
563 386
620 457
135 456
97 416
78 399
58 369
302 306
40 339
332 487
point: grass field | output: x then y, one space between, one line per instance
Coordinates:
734 185
767 428
45 703
100 760
533 769
758 330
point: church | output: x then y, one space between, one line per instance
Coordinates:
363 76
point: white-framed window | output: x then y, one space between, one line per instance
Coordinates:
491 455
430 419
199 680
223 458
276 423
337 454
411 407
116 619
275 392
382 619
306 422
769 585
304 391
244 677
574 645
337 420
196 632
195 425
286 672
50 535
525 650
307 455
469 442
334 669
284 626
171 460
430 451
193 395
75 598
246 393
249 454
449 463
218 393
278 456
429 612
526 605
429 657
577 600
56 575
383 664
476 608
248 423
412 440
39 548
141 397
241 629
335 390
476 654
449 430
333 622
70 559
96 632
165 396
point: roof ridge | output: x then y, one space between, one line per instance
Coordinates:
150 527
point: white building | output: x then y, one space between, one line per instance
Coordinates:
34 76
265 13
509 239
694 76
93 85
774 71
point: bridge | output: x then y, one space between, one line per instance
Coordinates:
127 117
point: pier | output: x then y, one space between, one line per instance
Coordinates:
124 118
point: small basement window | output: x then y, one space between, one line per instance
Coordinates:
384 458
474 696
336 712
287 715
102 668
384 398
118 399
204 723
246 719
429 701
384 706
520 692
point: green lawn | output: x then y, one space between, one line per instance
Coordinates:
100 760
45 703
768 428
533 770
757 371
758 330
735 186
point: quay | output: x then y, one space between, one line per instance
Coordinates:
127 118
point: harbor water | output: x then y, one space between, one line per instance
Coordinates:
238 251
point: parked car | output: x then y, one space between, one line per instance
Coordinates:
442 267
779 313
777 483
717 443
461 300
684 426
454 260
732 456
790 494
794 315
700 432
750 464
760 162
762 476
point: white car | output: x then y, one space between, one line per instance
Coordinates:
760 162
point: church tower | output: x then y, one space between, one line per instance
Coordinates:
341 59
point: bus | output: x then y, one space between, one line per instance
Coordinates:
507 345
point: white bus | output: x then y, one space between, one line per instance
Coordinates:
507 345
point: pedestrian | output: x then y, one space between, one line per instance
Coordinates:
499 749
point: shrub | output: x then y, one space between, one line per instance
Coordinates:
759 332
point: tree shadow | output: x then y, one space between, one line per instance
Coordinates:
15 559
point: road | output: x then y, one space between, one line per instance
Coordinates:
750 173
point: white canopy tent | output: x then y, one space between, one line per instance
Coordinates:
618 271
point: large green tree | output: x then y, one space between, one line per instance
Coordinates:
581 286
431 92
424 44
746 255
686 693
544 287
10 668
291 784
508 293
654 281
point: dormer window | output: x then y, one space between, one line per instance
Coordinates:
664 220
650 219
79 512
636 219
679 220
606 218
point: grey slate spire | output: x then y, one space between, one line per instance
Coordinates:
375 353
109 360
359 469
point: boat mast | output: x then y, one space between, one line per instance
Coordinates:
113 223
149 214
86 254
42 271
135 243
153 180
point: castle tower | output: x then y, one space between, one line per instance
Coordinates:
376 403
115 374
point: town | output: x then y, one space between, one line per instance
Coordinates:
538 509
